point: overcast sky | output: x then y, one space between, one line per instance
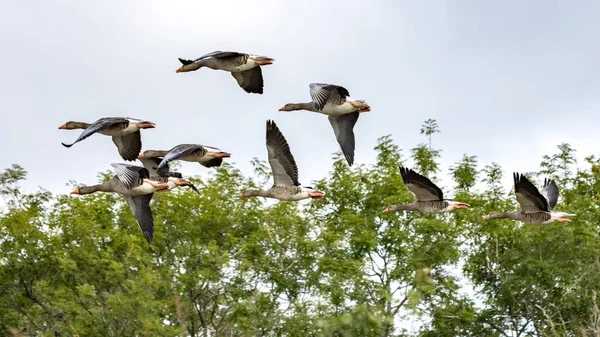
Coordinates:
506 80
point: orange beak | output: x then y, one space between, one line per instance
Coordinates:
183 183
180 69
282 109
316 195
387 210
145 125
486 217
461 206
75 191
63 127
222 154
240 195
141 156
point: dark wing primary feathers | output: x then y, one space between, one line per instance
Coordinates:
151 164
129 146
322 93
550 192
423 188
250 80
528 196
178 152
130 175
140 207
212 162
283 165
220 54
343 128
97 126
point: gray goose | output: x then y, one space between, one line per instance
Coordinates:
134 184
125 133
285 172
174 179
207 156
343 112
536 205
430 198
245 68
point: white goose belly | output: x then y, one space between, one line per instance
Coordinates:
145 188
338 110
247 66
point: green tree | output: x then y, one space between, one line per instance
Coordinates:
221 266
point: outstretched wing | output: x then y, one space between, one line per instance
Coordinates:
130 175
180 151
140 207
528 196
129 146
250 80
322 93
283 165
423 188
550 192
343 128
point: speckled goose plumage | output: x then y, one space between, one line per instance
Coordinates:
245 68
285 171
430 198
536 205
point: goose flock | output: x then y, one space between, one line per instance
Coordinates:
137 184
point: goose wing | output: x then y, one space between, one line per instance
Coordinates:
129 146
130 175
140 207
528 196
180 151
550 192
283 165
151 164
250 80
343 128
423 188
322 93
97 126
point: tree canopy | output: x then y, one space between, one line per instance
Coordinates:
338 266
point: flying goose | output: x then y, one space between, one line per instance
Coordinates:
343 112
207 156
245 68
125 133
430 198
134 184
285 172
174 179
536 205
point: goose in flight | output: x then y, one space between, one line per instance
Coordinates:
245 68
125 133
343 112
285 172
207 156
536 205
134 184
430 198
173 179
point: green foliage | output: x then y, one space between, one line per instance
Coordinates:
223 266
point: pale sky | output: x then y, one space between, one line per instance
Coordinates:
507 81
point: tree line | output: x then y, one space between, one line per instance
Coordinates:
337 266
